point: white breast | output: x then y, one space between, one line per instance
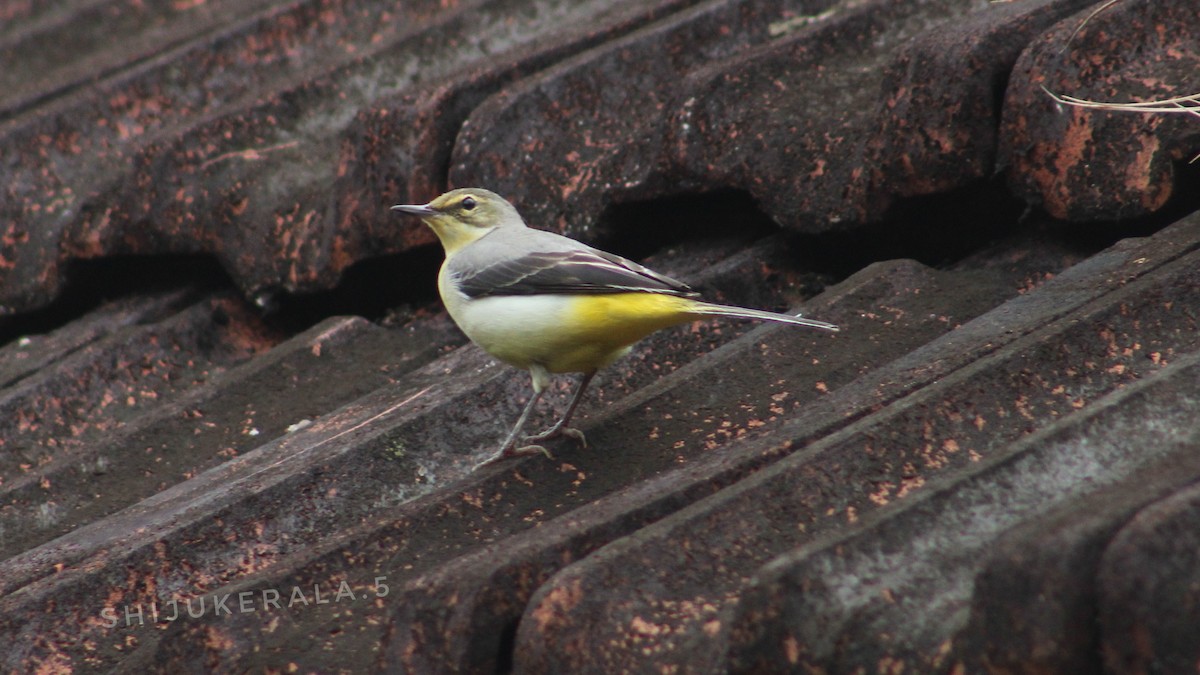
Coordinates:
517 329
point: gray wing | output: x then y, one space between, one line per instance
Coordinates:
509 268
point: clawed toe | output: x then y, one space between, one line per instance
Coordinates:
532 449
575 435
556 432
512 452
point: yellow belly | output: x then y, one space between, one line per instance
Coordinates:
565 334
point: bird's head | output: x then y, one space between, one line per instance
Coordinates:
461 216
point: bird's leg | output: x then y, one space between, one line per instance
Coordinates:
508 447
541 378
560 428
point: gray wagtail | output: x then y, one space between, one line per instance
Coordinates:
549 304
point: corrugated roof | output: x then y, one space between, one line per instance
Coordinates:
221 452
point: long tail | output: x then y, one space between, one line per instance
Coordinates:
709 309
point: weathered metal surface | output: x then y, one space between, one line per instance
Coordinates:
905 96
231 144
941 96
660 598
889 592
417 537
824 113
95 390
48 53
1035 602
1149 578
214 421
240 517
594 126
505 512
1082 164
445 613
27 354
180 447
456 612
286 495
399 147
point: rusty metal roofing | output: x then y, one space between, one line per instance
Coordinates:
238 428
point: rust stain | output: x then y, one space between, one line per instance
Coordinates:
557 605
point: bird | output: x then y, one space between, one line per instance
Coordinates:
549 304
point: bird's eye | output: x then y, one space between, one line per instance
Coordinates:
468 203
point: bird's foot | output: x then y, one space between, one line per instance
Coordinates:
510 452
556 432
533 445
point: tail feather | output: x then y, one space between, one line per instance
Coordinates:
709 309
